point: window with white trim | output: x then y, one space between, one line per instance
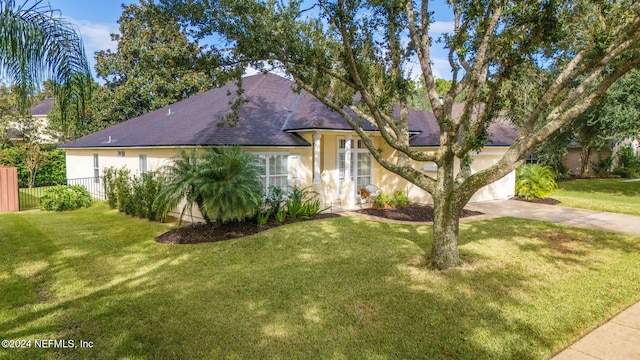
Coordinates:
142 163
96 168
278 169
532 159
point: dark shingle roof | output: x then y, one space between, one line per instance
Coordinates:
198 120
14 134
42 107
501 130
271 116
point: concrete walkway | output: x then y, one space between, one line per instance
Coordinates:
619 337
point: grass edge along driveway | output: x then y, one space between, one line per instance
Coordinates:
610 195
320 289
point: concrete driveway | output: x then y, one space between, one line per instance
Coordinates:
588 219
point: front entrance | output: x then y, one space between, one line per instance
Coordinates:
360 166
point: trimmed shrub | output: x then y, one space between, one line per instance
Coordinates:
124 191
144 190
602 167
65 197
109 184
400 199
382 200
535 182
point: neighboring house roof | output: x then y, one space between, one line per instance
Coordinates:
271 116
14 134
42 107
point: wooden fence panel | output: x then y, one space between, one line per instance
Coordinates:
9 189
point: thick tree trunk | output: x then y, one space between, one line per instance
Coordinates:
446 219
585 156
446 225
203 211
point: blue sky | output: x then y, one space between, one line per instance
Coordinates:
96 20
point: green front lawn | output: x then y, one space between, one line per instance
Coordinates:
612 195
341 288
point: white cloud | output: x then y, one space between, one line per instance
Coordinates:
440 68
441 27
96 36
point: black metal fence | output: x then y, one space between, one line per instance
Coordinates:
29 198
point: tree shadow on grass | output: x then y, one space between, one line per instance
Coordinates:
336 288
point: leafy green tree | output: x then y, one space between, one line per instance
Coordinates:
155 65
73 114
36 166
37 44
420 99
541 62
223 182
613 118
8 104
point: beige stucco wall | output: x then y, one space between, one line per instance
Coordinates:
389 182
80 161
501 189
80 165
573 160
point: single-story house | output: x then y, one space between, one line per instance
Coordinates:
296 137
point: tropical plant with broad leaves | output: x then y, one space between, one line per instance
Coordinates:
535 182
36 44
180 182
223 182
230 184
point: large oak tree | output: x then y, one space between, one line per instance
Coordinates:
541 62
154 65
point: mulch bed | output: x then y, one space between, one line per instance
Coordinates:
412 212
201 233
546 201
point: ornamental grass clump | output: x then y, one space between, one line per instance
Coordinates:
535 182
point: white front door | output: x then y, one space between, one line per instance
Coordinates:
361 169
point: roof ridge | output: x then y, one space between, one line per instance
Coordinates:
294 107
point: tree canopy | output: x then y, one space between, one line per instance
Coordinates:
612 119
541 62
154 65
